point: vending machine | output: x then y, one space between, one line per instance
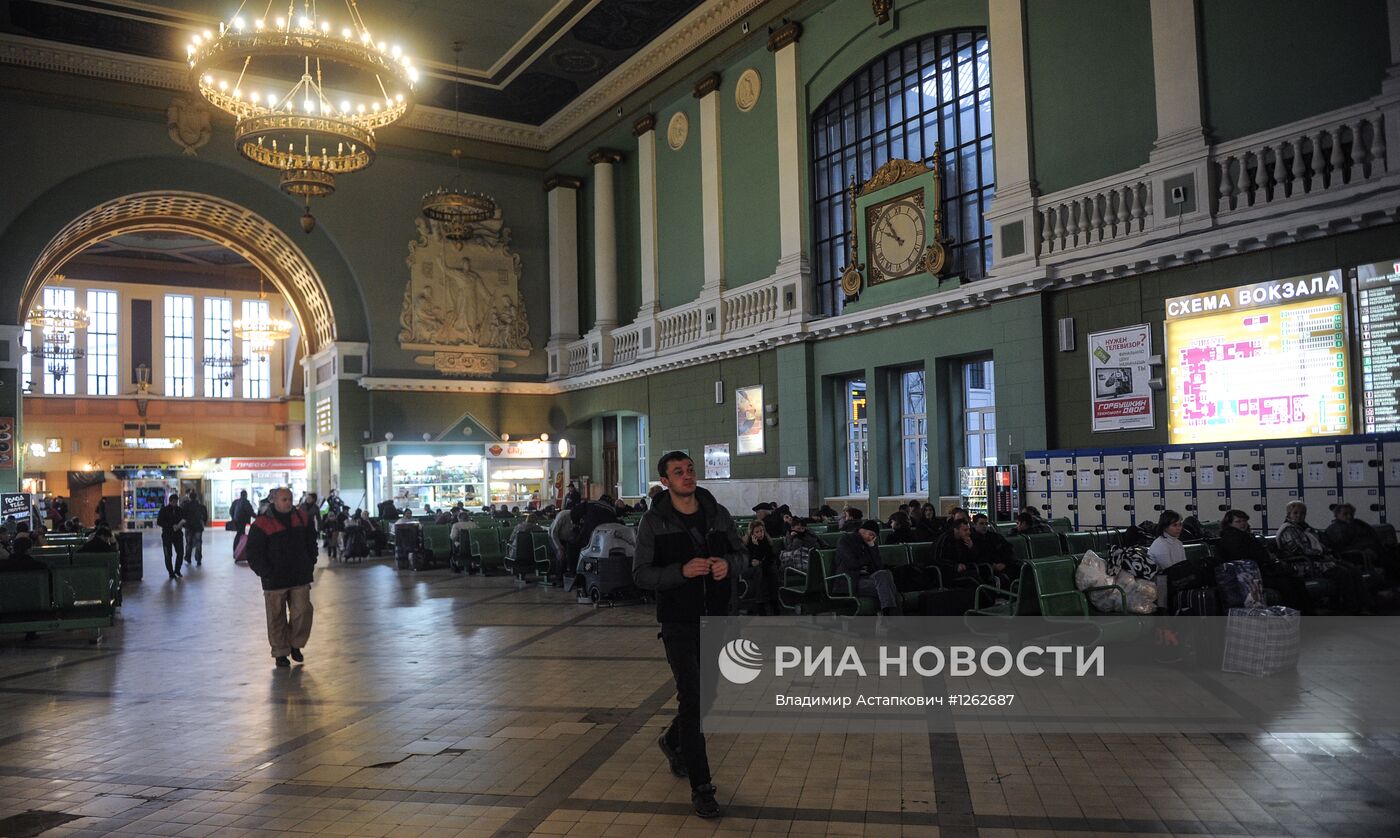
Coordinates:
994 491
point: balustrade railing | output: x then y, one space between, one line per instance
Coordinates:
626 342
676 328
750 307
578 357
1101 214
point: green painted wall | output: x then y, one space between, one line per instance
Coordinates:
749 174
679 235
1133 300
410 415
681 411
1093 105
1272 62
1009 331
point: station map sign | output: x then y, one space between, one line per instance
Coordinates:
1261 361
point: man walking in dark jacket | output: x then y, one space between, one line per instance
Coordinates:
689 553
196 519
282 552
241 514
171 521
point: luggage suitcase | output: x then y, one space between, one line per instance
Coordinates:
1261 641
1240 585
356 545
408 543
131 556
1196 602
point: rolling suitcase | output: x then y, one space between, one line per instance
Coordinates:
131 555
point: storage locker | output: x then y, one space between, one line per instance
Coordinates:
1148 506
1390 457
1361 466
1062 473
1212 467
1370 505
1041 501
1282 467
1275 506
1322 466
1211 506
1178 486
1117 472
1147 472
1091 510
1062 505
1118 511
1320 502
1088 470
1037 474
1246 468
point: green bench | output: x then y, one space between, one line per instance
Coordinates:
803 592
437 540
486 552
63 598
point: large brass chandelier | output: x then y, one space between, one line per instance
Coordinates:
261 331
451 206
307 95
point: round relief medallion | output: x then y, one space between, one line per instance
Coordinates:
747 90
677 130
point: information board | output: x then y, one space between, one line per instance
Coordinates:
1378 328
1119 371
14 503
1263 361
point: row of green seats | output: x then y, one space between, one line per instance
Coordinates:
821 589
77 591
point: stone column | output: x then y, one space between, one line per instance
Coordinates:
711 196
563 270
604 257
1181 149
796 290
11 404
644 130
1012 214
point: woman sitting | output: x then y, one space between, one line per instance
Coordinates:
1302 545
1238 544
1167 549
761 572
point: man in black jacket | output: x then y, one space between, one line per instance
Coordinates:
282 552
689 553
196 519
858 557
240 512
171 521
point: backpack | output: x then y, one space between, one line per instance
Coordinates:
797 558
1134 560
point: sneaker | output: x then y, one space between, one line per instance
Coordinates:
672 755
297 656
282 661
703 799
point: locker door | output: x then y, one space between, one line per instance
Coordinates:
1148 506
1183 502
1062 474
1361 466
1282 467
1062 506
1041 501
1091 510
1118 510
1178 488
1117 472
1037 474
1390 476
1322 466
1147 472
1088 473
1211 468
1212 504
1320 502
1370 505
1274 509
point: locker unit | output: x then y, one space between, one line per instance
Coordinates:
1361 466
1118 509
1041 501
1282 482
1390 479
1117 472
1037 474
1147 471
1369 502
1062 473
1212 468
1178 482
1275 508
1090 509
1064 505
1148 506
1212 504
1247 481
1322 465
1320 502
1088 473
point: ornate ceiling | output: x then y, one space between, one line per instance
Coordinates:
523 61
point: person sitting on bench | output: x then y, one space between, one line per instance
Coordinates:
100 542
19 557
956 555
858 557
1238 544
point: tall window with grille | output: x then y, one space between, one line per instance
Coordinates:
179 345
60 372
218 345
26 361
257 375
102 343
979 413
643 469
914 431
931 93
857 445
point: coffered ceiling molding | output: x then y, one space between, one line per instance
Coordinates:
94 63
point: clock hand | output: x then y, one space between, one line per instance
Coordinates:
890 227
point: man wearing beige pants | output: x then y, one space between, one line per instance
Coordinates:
282 552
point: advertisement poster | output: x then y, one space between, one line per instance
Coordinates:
1261 361
1118 376
14 503
748 418
717 462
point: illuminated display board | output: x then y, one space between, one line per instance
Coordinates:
1263 361
1378 330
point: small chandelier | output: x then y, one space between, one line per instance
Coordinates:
222 367
57 320
262 332
451 206
307 96
59 356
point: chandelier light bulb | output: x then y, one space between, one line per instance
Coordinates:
255 97
198 40
208 35
281 23
346 33
325 27
397 52
259 24
238 23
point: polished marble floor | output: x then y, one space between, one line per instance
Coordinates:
432 704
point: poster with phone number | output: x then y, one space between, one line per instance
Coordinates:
1118 378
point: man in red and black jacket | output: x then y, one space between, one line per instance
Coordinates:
282 552
688 553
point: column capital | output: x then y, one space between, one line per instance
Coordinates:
708 84
604 155
643 125
784 35
554 182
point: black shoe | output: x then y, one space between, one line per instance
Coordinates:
673 757
173 576
703 799
283 662
297 656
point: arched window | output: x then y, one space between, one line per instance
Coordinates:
933 91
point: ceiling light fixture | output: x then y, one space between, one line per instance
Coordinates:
331 89
262 332
451 206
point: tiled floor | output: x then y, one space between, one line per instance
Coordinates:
437 705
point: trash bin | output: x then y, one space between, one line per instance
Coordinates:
131 555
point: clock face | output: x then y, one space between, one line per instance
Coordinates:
897 237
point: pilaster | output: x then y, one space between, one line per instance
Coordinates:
1012 214
711 198
563 269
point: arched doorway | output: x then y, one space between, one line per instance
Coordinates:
246 233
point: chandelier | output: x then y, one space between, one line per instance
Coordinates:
222 367
57 320
58 355
307 96
451 206
262 331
